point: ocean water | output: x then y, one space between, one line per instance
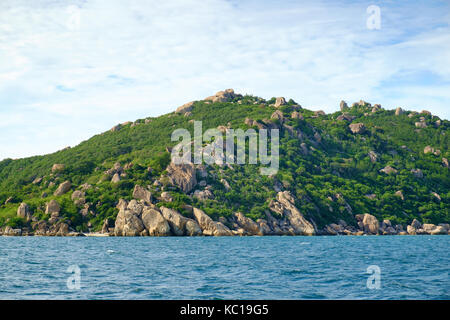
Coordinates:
410 267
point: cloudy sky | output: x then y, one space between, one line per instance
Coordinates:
72 69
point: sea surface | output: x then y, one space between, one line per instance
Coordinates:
406 267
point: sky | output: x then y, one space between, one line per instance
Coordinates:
73 69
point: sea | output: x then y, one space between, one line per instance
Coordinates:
251 268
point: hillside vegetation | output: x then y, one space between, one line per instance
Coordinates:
362 159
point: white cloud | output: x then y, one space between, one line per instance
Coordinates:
140 58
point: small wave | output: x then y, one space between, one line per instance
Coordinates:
110 251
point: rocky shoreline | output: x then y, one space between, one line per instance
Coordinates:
142 218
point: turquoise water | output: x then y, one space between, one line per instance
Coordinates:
412 267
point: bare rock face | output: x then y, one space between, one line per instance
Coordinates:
209 226
53 208
142 194
280 101
357 128
24 211
370 223
285 206
187 107
250 226
223 96
63 188
155 223
182 175
180 225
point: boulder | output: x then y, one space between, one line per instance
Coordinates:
166 196
203 195
398 111
420 124
345 117
284 205
278 115
141 193
416 224
370 223
37 180
182 175
155 223
389 170
53 208
357 128
106 226
343 105
417 173
180 225
250 226
280 101
63 188
223 96
57 167
445 163
297 115
373 156
128 223
24 211
210 227
399 194
187 107
115 178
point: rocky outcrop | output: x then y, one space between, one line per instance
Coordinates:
182 175
63 188
223 96
187 107
141 193
368 223
445 163
280 101
357 128
278 115
180 225
343 106
155 223
24 211
249 226
429 149
57 167
389 170
53 208
203 194
345 117
284 205
209 226
399 111
128 221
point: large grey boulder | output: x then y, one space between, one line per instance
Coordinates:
209 226
128 223
180 225
24 211
357 128
155 223
250 226
142 194
284 205
53 208
280 101
63 188
370 223
187 107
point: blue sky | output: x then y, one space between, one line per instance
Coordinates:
72 69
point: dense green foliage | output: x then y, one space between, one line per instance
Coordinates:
331 181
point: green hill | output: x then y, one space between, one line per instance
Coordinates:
333 173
